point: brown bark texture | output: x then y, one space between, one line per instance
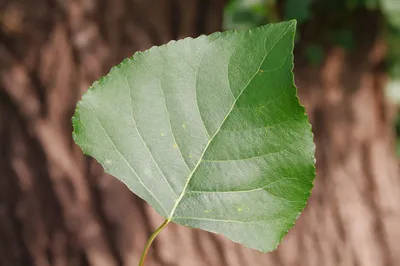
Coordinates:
57 207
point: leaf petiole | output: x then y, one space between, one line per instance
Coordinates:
150 241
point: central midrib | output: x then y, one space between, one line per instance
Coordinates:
222 123
216 132
202 155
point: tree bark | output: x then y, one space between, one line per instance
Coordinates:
57 207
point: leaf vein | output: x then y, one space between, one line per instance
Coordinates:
248 190
123 157
256 156
264 127
141 138
169 119
228 221
216 132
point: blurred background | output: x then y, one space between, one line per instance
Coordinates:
57 207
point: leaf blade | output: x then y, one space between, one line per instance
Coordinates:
210 132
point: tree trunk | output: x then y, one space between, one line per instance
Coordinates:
57 207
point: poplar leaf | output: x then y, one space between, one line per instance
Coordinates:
208 131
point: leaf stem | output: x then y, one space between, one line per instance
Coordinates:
150 241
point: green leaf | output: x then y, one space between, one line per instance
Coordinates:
208 131
391 10
243 14
393 90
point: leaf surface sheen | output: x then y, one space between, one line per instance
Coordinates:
208 131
